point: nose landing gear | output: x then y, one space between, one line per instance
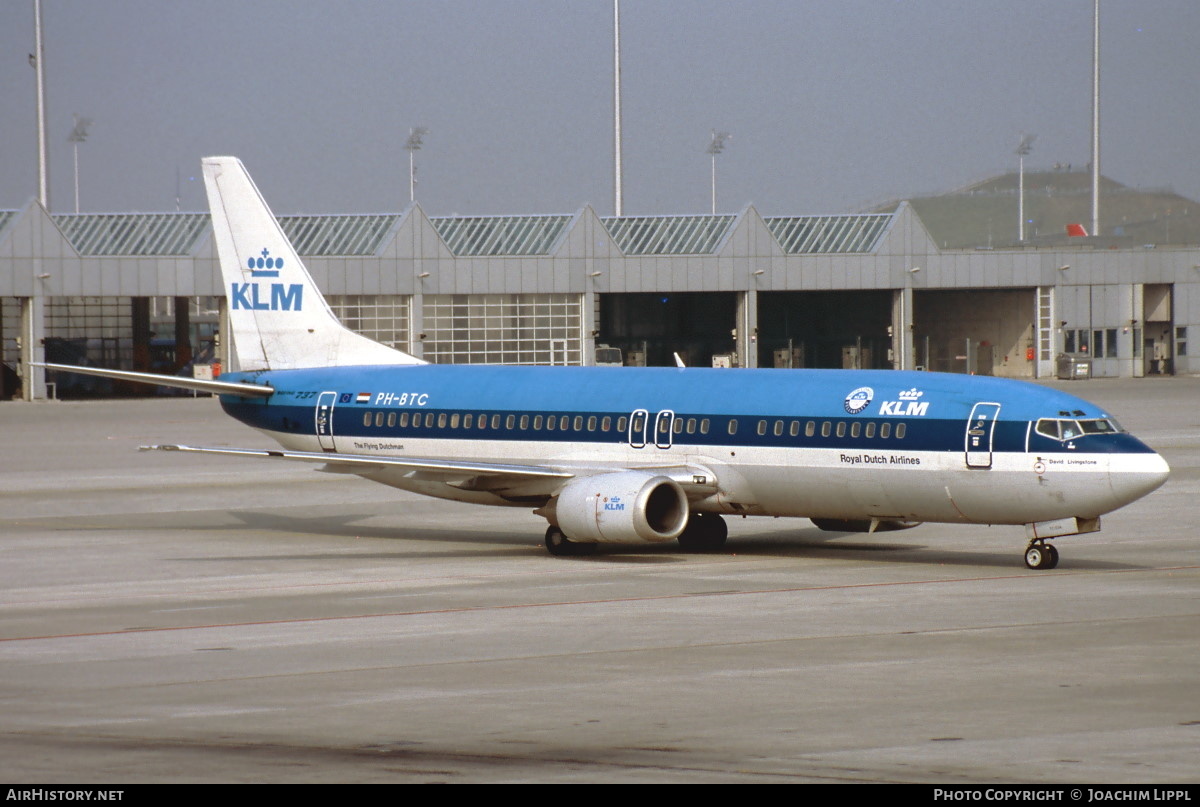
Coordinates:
1041 555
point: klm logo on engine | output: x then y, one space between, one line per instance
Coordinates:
614 503
263 297
260 297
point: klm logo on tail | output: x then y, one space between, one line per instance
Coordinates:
276 297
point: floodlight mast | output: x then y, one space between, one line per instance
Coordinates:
413 145
1023 149
715 147
78 135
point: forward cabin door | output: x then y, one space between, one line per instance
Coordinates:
324 417
981 428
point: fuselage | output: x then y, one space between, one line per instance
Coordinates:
837 444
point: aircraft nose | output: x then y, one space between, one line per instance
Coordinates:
1135 475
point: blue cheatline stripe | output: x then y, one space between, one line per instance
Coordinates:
921 434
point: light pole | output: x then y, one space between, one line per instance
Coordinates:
715 147
1023 149
78 135
413 144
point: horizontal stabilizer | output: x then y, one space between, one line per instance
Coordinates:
177 381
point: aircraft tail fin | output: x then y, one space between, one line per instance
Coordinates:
278 317
1076 231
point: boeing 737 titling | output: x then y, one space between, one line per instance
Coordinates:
631 455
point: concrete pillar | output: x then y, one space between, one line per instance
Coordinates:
416 325
224 352
902 329
33 348
589 306
140 315
183 332
747 327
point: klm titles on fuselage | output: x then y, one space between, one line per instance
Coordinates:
253 296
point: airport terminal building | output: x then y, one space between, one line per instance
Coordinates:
874 290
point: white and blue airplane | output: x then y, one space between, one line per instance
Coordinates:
632 455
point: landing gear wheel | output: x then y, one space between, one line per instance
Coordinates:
1041 556
705 532
560 546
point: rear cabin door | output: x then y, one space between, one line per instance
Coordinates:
324 418
980 430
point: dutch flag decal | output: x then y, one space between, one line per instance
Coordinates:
363 397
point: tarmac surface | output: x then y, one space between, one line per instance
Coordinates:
169 618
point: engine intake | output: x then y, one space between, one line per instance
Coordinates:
625 507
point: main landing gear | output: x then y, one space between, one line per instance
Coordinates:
1041 555
560 546
705 532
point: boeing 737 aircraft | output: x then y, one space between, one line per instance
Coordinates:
629 455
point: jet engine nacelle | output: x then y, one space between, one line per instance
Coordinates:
625 507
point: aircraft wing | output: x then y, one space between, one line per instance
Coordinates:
534 480
365 463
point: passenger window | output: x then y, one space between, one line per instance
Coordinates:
564 423
855 429
591 423
794 429
691 425
551 422
762 427
495 421
454 421
524 422
825 429
900 430
778 428
510 422
704 426
468 420
622 422
733 425
885 431
366 418
429 420
378 418
841 428
483 421
678 427
391 420
537 423
579 423
870 430
606 424
404 420
442 420
810 429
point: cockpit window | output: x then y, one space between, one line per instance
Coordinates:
1064 429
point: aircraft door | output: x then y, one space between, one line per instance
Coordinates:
980 430
663 425
324 420
639 420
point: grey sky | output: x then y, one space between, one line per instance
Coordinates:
832 105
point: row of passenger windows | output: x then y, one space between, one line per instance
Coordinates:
855 428
456 420
592 423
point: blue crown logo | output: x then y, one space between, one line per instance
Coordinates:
264 266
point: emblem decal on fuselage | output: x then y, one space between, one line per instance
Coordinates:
859 399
